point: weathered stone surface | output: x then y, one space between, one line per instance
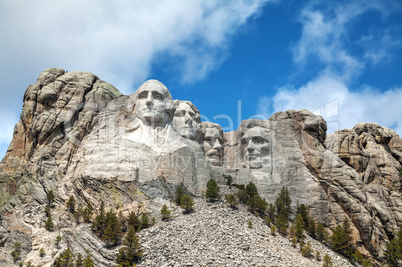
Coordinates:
80 136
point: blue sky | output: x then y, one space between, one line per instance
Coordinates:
234 60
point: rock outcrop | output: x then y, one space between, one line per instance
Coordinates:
80 136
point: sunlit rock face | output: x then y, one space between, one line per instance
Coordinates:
187 120
80 136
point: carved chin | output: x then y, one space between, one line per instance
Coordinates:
255 163
214 160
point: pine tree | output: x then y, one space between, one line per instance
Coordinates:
58 239
79 261
252 190
393 252
112 233
42 252
302 210
77 215
231 200
165 213
299 228
50 198
261 205
66 259
322 233
133 221
273 230
49 224
99 224
243 196
187 203
47 211
283 203
144 221
342 239
282 224
212 193
16 253
311 228
71 204
88 262
122 221
250 224
327 261
271 212
131 253
88 211
306 250
229 180
179 195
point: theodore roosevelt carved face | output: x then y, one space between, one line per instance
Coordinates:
186 120
255 146
153 103
213 142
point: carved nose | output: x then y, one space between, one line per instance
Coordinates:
217 145
149 99
188 119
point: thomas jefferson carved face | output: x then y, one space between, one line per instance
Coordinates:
153 102
186 120
255 146
213 143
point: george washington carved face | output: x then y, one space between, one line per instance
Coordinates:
153 103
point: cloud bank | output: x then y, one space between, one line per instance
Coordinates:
117 40
327 48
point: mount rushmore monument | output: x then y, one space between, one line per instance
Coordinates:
78 135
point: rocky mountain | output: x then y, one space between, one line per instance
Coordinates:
79 136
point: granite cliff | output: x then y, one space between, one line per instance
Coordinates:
78 135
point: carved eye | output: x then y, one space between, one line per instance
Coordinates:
142 95
192 114
244 141
179 113
258 141
157 96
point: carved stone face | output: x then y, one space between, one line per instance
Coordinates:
186 121
152 103
213 146
255 146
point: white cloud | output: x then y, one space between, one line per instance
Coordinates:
117 40
325 37
331 98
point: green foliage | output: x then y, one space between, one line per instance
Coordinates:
250 224
133 221
299 228
229 180
88 262
71 204
322 234
112 233
16 253
342 239
77 214
318 255
66 259
79 261
50 198
252 190
327 261
282 224
179 195
165 213
42 252
231 200
239 186
242 196
212 193
144 221
271 212
187 203
306 250
99 224
87 213
393 252
58 239
362 260
122 221
302 210
47 211
261 205
311 228
49 224
283 203
131 253
273 230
